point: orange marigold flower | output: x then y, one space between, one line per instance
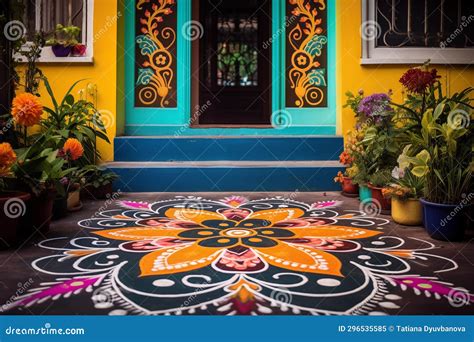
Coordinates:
7 158
26 109
345 158
73 149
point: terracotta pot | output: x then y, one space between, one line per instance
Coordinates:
408 212
13 208
385 204
102 192
40 212
348 187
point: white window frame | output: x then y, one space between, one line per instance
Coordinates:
47 55
406 55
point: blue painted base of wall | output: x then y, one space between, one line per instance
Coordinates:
192 179
190 164
227 148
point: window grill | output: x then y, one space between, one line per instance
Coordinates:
425 23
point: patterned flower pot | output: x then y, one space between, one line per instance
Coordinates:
349 188
407 212
12 213
61 50
364 193
445 222
378 198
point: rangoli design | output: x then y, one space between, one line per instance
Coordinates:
157 47
306 55
190 255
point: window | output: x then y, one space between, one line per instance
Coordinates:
44 15
413 31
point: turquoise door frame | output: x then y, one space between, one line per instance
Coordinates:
175 121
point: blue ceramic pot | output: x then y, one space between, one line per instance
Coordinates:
365 194
61 50
445 222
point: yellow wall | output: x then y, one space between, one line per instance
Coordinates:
103 72
353 76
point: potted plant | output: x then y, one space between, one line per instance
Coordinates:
405 192
39 169
440 141
446 163
12 203
64 39
72 151
75 118
98 182
377 182
348 187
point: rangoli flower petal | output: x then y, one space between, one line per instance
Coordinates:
333 232
301 259
193 215
178 259
139 233
277 215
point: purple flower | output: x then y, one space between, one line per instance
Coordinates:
375 106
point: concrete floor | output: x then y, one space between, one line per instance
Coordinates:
15 266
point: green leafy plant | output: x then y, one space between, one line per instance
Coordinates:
97 176
65 35
405 185
381 178
39 166
73 118
442 152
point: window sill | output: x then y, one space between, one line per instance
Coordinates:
405 61
47 56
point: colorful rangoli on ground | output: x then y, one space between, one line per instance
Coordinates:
189 255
